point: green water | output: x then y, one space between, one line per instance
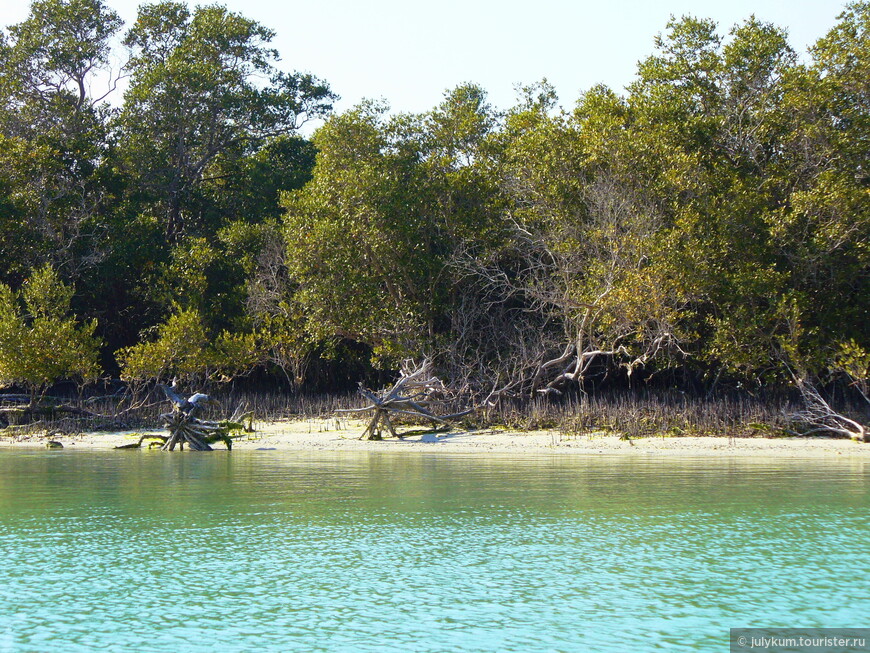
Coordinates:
273 551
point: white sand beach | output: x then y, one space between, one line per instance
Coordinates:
342 435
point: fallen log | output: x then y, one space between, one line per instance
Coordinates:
27 399
819 417
26 414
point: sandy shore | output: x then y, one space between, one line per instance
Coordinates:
335 435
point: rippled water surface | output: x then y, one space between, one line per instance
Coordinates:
273 551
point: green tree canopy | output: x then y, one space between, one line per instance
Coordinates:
370 237
53 134
203 86
40 342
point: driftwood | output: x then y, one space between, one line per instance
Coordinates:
185 428
820 417
412 396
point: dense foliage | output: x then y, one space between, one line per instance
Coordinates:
40 343
710 223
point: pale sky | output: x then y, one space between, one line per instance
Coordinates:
409 52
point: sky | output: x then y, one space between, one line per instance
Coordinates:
409 52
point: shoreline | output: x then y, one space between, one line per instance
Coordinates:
341 435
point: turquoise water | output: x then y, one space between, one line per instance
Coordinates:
274 551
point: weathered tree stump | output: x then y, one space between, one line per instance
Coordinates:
412 395
186 429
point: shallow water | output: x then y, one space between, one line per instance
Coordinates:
275 551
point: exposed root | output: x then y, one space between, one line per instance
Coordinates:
413 395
